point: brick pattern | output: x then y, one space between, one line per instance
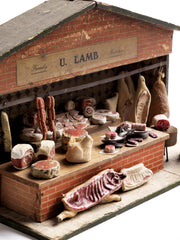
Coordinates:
95 26
44 203
19 197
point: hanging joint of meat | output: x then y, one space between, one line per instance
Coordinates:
159 102
98 188
142 102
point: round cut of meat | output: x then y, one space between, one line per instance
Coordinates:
81 125
161 122
88 111
98 119
109 149
45 169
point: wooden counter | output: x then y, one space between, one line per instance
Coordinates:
150 152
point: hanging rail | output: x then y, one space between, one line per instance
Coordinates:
83 86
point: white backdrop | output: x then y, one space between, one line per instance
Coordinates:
155 217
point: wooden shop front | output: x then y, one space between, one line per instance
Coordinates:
72 49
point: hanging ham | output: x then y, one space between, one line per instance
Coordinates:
125 90
141 102
159 102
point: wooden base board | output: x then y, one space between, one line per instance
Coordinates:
162 181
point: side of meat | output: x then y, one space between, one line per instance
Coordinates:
111 103
159 102
141 102
79 152
90 193
7 139
161 122
22 155
126 98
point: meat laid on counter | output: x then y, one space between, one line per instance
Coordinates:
81 125
135 176
88 111
22 155
79 152
109 148
161 122
113 116
101 116
98 119
110 135
71 119
98 188
30 136
82 102
139 126
75 134
45 169
46 150
142 102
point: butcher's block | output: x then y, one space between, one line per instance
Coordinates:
41 199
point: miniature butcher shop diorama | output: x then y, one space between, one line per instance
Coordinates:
70 128
129 109
82 115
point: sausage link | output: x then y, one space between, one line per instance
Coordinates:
50 104
41 116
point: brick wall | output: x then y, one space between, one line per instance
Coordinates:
43 203
95 26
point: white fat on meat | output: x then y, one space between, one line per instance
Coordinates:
46 150
19 150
